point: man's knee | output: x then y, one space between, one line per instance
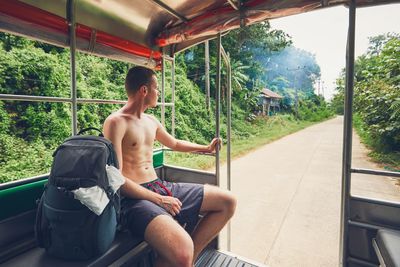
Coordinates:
218 199
229 202
170 240
182 254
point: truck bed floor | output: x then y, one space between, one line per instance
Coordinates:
215 258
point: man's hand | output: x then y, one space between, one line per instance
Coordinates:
213 145
171 204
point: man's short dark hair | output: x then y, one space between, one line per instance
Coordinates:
137 77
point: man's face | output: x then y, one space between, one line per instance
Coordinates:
152 92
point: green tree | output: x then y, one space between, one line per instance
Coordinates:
337 102
377 92
9 41
4 119
298 67
239 77
245 45
376 43
30 131
31 71
313 107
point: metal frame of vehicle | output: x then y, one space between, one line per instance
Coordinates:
360 217
151 33
33 186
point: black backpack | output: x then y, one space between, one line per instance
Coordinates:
64 227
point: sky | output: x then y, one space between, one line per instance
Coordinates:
324 34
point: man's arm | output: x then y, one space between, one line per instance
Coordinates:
181 145
114 130
136 191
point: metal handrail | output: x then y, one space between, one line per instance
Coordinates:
23 181
168 58
72 44
233 4
35 98
218 107
229 100
347 138
364 225
163 91
173 96
170 10
196 153
163 104
376 172
229 126
68 100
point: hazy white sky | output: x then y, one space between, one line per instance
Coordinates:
324 34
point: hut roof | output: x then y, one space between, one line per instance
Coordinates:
270 94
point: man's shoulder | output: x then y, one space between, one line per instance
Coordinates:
152 118
115 118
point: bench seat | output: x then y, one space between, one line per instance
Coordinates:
37 257
18 245
387 247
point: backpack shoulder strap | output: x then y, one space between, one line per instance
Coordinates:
91 128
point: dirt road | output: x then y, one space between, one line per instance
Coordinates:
289 197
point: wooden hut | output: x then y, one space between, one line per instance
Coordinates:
268 100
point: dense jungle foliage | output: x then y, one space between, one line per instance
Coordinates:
377 97
30 131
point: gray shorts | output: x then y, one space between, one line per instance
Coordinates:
138 213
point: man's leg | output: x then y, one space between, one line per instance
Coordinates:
171 241
218 206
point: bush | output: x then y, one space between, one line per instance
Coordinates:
21 159
377 90
373 102
5 119
314 108
377 98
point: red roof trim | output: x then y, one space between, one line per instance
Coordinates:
43 18
34 15
226 18
116 42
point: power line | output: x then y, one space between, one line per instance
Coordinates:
295 87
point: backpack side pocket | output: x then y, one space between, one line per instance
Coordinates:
42 227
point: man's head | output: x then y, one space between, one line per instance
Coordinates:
143 81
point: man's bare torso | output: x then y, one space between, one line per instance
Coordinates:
137 147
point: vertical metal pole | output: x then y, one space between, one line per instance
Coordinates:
217 106
228 137
173 96
163 91
319 86
297 96
228 134
72 46
347 137
207 74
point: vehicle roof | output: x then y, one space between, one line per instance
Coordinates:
137 30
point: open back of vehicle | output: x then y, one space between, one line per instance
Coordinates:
147 33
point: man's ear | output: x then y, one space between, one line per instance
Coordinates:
143 90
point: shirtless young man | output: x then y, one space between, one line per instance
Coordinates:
152 208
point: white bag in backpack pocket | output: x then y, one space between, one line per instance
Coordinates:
115 177
92 197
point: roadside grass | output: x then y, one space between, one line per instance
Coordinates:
252 136
390 160
261 132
